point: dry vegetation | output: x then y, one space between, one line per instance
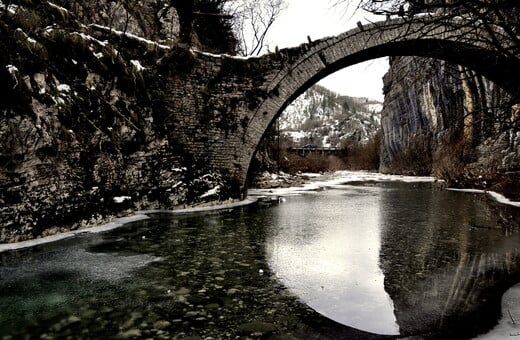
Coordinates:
352 157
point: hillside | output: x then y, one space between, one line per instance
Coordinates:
325 118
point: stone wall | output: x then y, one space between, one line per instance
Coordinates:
212 100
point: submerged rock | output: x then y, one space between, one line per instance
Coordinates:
131 333
162 324
256 327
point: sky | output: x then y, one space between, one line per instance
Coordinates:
318 19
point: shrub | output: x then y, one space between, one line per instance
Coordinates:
311 162
364 156
416 158
450 160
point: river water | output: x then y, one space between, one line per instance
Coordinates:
357 260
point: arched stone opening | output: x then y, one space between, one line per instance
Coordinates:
302 74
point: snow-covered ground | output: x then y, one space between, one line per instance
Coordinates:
337 179
345 177
497 196
61 236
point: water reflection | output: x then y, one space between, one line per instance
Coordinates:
392 258
396 258
325 248
445 269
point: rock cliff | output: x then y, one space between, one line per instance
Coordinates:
445 120
82 125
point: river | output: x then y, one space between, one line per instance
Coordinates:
352 259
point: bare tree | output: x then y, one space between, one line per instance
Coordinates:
252 22
185 10
499 19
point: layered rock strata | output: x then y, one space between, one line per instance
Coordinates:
443 119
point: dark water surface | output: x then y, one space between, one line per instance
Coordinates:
349 262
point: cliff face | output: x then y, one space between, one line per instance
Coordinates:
82 122
161 21
157 20
443 119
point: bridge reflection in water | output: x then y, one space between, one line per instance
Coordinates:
396 259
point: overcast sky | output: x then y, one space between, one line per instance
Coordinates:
318 19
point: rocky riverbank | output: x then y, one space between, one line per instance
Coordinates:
269 180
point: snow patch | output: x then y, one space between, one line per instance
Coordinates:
129 35
49 28
29 39
176 185
502 199
90 38
61 9
495 195
10 8
48 239
339 178
63 88
376 107
223 55
470 191
211 192
139 216
137 65
247 201
121 199
12 69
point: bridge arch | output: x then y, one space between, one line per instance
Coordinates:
305 65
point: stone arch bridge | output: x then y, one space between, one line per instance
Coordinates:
221 106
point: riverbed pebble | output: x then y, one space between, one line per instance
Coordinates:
161 324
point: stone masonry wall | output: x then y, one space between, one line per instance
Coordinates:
212 99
